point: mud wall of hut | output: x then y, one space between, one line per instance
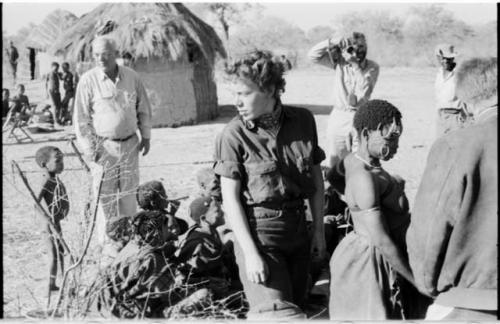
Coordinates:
205 90
170 91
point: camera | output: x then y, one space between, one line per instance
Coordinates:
350 50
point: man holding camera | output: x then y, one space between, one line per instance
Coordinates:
452 112
355 78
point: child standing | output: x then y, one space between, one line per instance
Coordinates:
55 197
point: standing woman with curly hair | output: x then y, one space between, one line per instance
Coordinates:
268 159
370 274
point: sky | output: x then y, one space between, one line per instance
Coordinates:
17 14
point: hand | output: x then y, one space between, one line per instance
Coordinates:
144 146
318 247
256 267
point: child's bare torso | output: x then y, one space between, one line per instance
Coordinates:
54 194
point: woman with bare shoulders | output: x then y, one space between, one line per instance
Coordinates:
370 275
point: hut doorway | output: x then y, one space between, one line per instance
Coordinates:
32 57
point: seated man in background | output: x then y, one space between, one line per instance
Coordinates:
453 235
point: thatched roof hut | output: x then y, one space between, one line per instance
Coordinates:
174 54
44 35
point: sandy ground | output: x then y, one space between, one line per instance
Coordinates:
176 154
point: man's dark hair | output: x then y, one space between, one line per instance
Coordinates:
65 64
55 64
262 68
5 90
374 114
42 156
150 194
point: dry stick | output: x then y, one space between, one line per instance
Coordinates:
79 155
87 244
44 212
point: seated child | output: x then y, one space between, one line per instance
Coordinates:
21 105
141 280
54 194
203 249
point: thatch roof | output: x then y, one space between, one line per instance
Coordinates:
143 29
44 35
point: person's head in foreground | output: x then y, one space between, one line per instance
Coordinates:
477 84
51 159
151 196
206 211
378 124
105 53
257 82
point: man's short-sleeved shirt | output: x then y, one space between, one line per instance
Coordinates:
272 169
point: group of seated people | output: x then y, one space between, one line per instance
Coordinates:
165 266
19 109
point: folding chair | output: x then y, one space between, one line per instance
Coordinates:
12 123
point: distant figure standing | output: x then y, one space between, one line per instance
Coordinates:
453 235
69 94
111 106
452 113
52 89
13 55
32 57
355 79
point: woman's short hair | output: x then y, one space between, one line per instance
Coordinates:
477 79
375 114
262 68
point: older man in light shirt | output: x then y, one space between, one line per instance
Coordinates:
111 110
452 113
355 78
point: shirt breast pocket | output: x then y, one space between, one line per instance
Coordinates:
264 181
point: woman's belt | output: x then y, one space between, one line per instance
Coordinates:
287 204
